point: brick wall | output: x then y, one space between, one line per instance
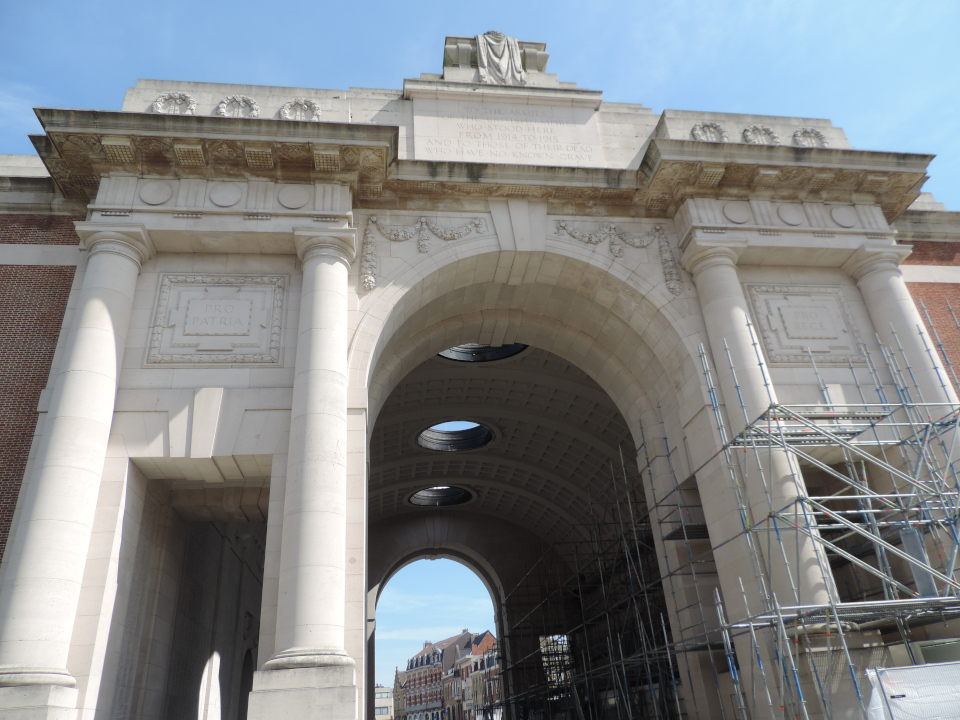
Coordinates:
936 296
38 229
32 302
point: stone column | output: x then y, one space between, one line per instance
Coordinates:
47 552
892 309
724 308
310 674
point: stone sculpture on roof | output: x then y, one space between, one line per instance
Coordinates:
498 58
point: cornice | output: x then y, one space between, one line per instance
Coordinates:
82 146
526 94
673 171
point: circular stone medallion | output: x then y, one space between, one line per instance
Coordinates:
156 192
736 212
225 194
294 197
844 216
790 214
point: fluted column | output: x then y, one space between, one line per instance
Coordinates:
46 554
311 606
892 309
724 308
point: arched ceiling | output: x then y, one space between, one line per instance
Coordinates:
558 433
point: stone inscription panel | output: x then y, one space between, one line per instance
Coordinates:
808 323
794 319
206 316
506 133
217 320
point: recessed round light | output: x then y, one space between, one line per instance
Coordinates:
441 496
472 352
455 436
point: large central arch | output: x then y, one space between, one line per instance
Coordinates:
615 338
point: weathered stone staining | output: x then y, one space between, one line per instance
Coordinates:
263 322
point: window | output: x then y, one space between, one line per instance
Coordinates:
381 711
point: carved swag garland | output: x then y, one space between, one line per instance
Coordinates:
421 230
617 239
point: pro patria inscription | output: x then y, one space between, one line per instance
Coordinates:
506 133
218 317
795 322
808 323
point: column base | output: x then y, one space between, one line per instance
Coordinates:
38 702
304 693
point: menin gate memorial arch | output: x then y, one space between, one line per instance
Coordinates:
282 290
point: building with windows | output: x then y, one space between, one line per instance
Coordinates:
383 703
705 365
400 695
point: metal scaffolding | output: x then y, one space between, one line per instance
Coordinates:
623 618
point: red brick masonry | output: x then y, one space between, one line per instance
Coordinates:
32 302
38 230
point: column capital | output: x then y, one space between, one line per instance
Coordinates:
700 255
869 259
339 243
131 241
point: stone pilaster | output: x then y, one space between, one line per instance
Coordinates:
47 552
893 310
724 308
310 674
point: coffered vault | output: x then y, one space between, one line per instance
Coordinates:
219 479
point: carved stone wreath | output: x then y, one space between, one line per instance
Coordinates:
181 104
617 239
760 135
300 109
233 105
708 132
421 230
809 137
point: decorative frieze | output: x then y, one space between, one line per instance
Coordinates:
218 320
421 230
797 321
617 238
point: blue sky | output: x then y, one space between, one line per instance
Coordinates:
884 70
427 600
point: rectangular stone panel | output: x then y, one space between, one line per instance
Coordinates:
510 133
218 320
794 319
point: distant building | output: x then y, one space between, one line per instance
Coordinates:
485 684
383 703
400 695
438 683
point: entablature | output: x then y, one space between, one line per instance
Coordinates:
82 146
233 215
677 170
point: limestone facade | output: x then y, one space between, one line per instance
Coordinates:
259 282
